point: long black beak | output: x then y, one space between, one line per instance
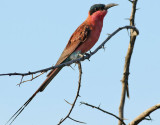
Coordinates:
110 5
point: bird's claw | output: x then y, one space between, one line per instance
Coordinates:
88 54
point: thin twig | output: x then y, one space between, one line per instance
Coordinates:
87 56
125 88
76 120
21 81
143 115
104 111
67 102
30 79
77 95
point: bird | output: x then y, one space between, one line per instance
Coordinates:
81 41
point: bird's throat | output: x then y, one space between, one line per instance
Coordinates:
97 16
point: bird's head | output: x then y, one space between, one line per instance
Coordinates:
100 10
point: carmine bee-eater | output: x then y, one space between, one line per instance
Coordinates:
82 40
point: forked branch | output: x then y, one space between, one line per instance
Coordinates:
77 95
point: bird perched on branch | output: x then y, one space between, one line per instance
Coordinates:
82 40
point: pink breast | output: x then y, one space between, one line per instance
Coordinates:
92 38
96 23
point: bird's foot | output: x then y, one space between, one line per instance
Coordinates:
88 55
80 55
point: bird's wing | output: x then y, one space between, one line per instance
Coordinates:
79 36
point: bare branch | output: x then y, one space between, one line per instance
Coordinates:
143 115
20 81
77 95
103 111
67 102
125 88
87 56
76 120
30 79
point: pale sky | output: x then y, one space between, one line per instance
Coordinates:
33 33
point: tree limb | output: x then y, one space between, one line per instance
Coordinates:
143 115
125 88
103 111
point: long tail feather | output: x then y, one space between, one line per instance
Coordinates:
19 111
51 75
40 89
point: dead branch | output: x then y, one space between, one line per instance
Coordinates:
29 79
76 120
103 111
86 56
143 115
125 88
77 95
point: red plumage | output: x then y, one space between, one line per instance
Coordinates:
82 40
